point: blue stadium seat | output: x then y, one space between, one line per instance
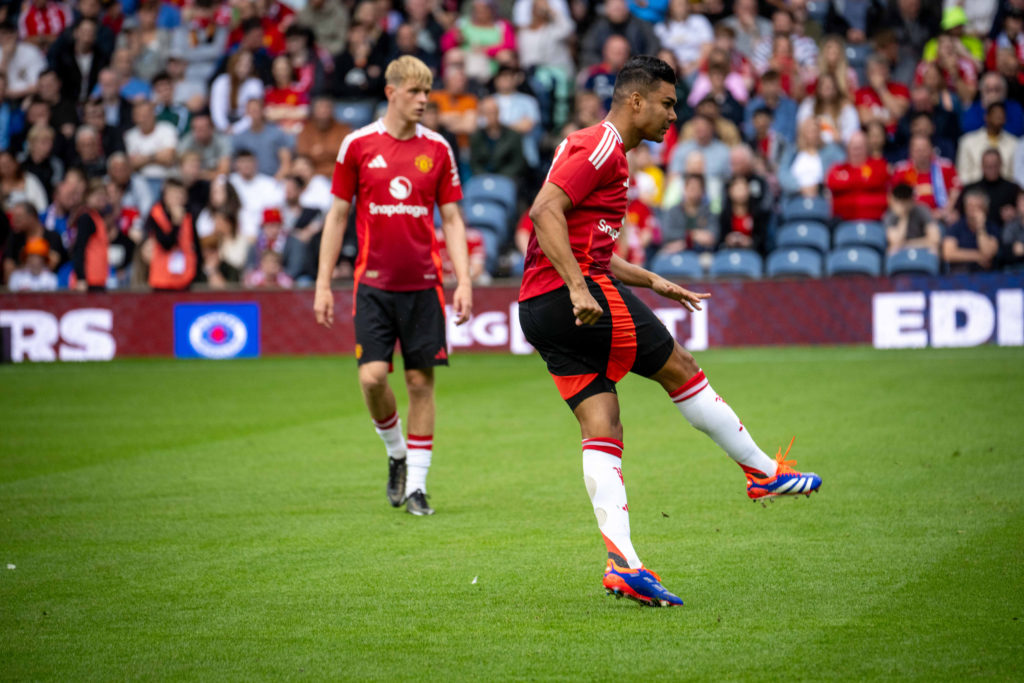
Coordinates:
683 264
356 113
803 234
487 216
857 58
806 209
912 261
817 10
745 263
861 234
855 260
492 247
493 188
795 261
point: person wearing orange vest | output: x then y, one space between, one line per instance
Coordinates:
173 265
89 253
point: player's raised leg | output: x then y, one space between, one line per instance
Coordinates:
625 574
690 390
420 384
380 400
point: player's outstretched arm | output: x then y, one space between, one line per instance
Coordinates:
330 248
635 276
455 242
548 216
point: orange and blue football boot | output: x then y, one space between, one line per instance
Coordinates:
785 482
641 585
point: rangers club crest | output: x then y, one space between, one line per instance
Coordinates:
424 163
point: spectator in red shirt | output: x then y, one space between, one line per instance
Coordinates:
743 224
881 100
933 178
1012 36
859 184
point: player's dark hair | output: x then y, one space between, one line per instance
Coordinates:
641 74
251 24
699 177
992 150
995 105
903 192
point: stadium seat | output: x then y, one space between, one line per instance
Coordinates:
683 264
487 216
492 247
855 260
734 263
861 234
795 261
912 262
803 234
493 188
356 113
806 209
817 10
857 58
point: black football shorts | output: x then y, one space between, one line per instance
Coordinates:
414 319
585 360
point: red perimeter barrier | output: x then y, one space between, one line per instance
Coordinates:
898 312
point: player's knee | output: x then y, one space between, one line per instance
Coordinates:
419 384
678 369
372 380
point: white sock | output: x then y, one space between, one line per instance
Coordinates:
390 432
602 473
705 410
417 463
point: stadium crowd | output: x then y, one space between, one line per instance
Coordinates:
173 143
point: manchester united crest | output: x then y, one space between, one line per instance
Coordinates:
424 163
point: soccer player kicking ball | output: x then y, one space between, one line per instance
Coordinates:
591 330
398 169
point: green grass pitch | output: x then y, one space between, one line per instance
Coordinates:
227 521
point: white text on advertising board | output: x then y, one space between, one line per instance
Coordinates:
79 334
500 330
913 320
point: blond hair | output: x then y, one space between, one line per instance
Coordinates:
407 69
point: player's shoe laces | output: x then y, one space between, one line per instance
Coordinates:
641 585
785 482
396 481
416 504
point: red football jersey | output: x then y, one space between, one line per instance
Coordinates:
589 166
396 184
924 191
867 97
49 21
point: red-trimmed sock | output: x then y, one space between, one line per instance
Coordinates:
602 473
418 462
390 432
705 410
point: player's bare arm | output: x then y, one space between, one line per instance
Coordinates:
455 242
548 216
330 248
635 276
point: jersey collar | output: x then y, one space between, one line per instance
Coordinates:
611 126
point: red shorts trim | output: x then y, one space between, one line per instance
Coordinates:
622 353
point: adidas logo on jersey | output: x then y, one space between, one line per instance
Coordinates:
378 162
